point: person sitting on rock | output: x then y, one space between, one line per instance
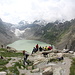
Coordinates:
46 48
34 50
40 48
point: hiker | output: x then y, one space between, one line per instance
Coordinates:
1 57
34 50
37 47
46 48
1 46
25 57
40 48
50 47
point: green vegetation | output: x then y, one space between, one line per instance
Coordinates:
3 61
6 58
72 68
13 69
3 68
5 53
53 32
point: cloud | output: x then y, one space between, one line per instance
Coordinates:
50 10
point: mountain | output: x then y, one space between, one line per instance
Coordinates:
6 36
60 34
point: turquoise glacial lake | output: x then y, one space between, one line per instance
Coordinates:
27 45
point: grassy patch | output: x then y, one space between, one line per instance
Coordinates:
5 53
72 68
3 61
3 68
13 70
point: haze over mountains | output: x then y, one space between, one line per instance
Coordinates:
58 33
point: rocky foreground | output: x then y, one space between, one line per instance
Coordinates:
38 63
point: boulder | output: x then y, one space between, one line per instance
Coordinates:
2 73
74 54
35 70
47 71
36 62
10 49
71 52
65 51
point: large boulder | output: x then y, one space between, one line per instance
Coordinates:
10 49
2 73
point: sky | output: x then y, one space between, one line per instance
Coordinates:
13 11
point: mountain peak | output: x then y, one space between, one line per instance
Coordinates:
23 22
40 22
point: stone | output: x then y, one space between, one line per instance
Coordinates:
71 52
58 71
35 70
29 67
74 54
11 49
2 73
36 62
47 71
65 50
22 67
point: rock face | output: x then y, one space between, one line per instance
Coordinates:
6 35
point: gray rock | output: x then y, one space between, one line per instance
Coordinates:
71 52
35 70
2 73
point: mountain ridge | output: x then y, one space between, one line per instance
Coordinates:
58 33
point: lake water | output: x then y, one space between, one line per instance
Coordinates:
27 45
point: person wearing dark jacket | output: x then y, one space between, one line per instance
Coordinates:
25 57
34 50
40 48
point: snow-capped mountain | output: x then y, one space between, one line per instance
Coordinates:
40 22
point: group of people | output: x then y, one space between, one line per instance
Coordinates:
37 48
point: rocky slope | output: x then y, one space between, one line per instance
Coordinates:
6 36
57 33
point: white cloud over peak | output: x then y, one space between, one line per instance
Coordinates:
50 10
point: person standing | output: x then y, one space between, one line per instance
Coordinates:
25 57
37 47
